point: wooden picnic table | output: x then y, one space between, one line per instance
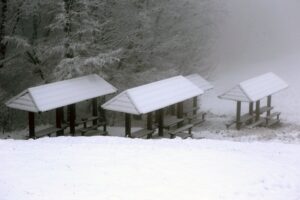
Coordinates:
171 121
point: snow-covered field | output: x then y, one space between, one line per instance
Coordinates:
218 164
118 168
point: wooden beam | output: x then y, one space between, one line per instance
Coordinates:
59 115
72 118
195 105
127 125
95 112
161 122
257 111
31 125
238 115
149 121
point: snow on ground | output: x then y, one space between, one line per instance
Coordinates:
118 168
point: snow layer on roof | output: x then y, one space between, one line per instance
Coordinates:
54 95
200 82
256 88
153 96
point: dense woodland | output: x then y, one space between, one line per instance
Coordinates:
128 42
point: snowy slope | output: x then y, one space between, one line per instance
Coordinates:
117 168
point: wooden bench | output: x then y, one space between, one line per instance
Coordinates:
47 132
270 121
171 122
259 122
244 119
174 132
264 109
196 119
190 110
142 133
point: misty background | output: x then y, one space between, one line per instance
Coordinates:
135 42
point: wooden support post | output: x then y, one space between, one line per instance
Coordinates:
149 121
195 105
31 125
127 125
102 115
179 112
238 115
161 122
269 104
251 110
173 109
63 115
95 112
257 111
72 118
59 113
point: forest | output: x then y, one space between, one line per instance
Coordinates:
127 42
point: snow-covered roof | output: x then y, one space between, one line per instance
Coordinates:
54 95
256 88
153 96
200 82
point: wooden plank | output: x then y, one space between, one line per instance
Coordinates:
172 121
273 122
190 110
246 117
265 109
142 133
47 131
259 122
274 114
183 135
86 129
189 127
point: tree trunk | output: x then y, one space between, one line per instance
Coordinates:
2 31
67 28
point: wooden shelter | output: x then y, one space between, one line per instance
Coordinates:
204 85
55 96
252 91
153 97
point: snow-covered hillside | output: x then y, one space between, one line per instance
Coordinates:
117 168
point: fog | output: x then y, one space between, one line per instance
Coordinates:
257 30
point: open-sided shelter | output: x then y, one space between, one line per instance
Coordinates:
203 84
152 97
59 94
253 91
